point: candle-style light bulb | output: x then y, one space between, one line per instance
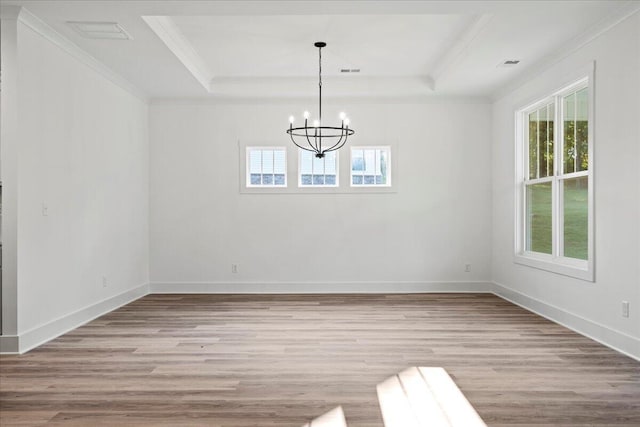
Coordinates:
343 115
291 119
306 115
347 121
316 123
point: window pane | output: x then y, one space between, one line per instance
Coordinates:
369 162
318 179
318 166
356 180
255 161
306 179
330 163
267 179
541 142
533 145
576 236
267 161
545 135
582 130
569 150
305 162
279 161
384 166
330 180
538 220
357 160
255 179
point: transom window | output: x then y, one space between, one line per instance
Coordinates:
370 166
266 167
555 212
318 172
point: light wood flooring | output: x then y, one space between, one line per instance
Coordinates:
282 360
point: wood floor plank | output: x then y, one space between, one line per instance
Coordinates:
282 360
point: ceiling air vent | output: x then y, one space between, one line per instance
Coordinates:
100 30
509 63
350 70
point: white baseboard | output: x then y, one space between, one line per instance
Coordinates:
616 340
41 334
611 338
317 287
9 344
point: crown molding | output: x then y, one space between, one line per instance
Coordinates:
9 12
459 49
605 24
43 29
353 100
179 45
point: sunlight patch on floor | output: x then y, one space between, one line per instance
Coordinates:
421 397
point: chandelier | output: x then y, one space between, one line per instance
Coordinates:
317 138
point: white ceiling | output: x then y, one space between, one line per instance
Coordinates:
239 49
282 46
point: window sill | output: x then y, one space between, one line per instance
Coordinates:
316 190
577 269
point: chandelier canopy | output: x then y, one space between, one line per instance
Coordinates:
318 138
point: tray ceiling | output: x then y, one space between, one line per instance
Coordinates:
264 49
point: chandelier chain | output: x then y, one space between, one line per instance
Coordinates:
320 82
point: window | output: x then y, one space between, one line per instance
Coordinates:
315 172
370 166
266 167
555 209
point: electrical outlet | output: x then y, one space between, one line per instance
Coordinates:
625 308
45 210
104 281
234 268
467 268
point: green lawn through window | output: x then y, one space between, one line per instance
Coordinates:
539 221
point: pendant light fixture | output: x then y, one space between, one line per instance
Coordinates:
317 138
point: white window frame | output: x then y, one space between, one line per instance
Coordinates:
248 171
301 185
386 148
581 269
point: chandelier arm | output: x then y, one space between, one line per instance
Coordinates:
333 147
300 146
317 139
306 133
337 147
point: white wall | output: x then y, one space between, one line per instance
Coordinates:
83 155
9 174
436 221
592 308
